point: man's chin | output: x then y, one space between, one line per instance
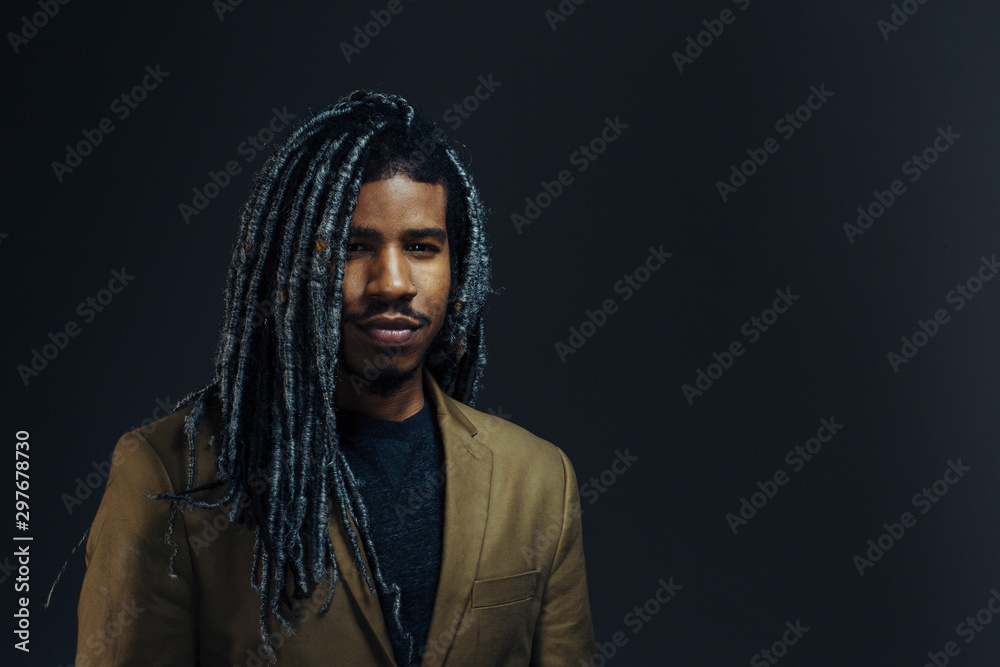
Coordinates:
382 382
389 381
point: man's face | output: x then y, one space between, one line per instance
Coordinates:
396 280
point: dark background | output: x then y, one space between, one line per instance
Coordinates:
622 390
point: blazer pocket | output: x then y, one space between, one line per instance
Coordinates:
505 590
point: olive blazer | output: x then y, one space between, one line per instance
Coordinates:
513 588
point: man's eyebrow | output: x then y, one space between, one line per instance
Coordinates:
363 232
427 232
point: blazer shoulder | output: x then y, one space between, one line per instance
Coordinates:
169 440
516 447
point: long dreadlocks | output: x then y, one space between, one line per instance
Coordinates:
275 380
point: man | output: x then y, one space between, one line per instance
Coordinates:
326 499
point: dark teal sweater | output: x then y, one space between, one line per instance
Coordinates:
400 470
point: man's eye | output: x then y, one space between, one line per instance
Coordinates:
423 247
353 247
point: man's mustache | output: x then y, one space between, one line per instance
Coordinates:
379 308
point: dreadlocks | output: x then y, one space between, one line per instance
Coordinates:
275 380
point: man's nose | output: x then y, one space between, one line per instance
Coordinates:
391 276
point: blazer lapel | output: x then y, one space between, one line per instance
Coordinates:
353 580
468 475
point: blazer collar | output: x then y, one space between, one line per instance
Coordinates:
445 405
468 468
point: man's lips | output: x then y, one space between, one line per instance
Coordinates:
390 330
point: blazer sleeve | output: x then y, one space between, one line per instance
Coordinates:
131 612
564 632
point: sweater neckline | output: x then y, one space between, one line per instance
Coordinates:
357 425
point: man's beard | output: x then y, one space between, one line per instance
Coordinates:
387 381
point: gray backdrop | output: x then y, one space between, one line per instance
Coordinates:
786 428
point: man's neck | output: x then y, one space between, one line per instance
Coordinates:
405 402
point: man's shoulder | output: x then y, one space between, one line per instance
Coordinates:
515 447
168 439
